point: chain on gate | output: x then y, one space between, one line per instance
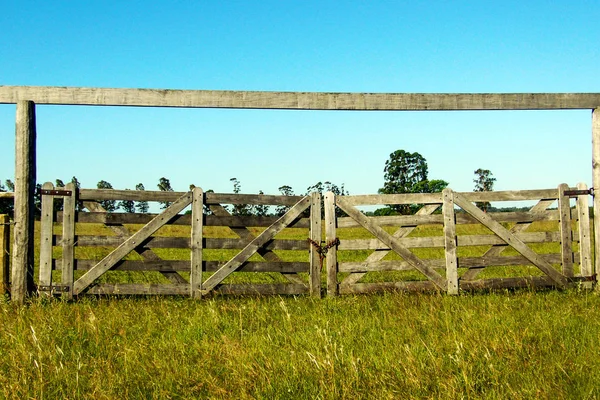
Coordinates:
323 249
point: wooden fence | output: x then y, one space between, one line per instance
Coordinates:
464 248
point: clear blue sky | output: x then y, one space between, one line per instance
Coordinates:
350 46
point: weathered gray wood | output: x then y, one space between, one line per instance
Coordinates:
508 283
315 236
409 286
24 208
262 289
401 234
123 234
141 235
210 198
564 207
330 236
438 241
298 100
246 237
450 241
253 246
461 218
511 240
537 210
7 195
392 242
510 195
596 185
176 289
210 220
380 199
4 254
68 241
196 241
463 262
284 267
583 224
46 235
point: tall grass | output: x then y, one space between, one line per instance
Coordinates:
393 345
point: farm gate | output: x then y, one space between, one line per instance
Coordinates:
448 245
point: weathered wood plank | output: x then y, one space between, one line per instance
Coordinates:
596 185
124 233
184 266
315 236
330 236
180 289
253 246
508 283
438 241
409 286
380 199
46 228
583 224
7 195
463 262
141 235
450 242
511 240
24 208
536 210
297 100
4 254
564 207
254 199
196 241
392 242
400 233
261 289
68 241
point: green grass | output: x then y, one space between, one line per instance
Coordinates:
504 344
495 345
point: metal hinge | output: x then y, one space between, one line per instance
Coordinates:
53 192
580 192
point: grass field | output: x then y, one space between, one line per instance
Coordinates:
520 344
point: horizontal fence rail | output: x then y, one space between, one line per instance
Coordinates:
298 100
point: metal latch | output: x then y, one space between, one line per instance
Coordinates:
580 192
54 192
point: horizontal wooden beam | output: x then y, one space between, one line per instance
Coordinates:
298 100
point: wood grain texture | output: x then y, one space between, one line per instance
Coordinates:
68 241
24 208
263 289
511 240
583 227
141 235
4 254
330 236
298 100
315 236
566 244
46 239
255 244
392 242
196 241
596 186
450 242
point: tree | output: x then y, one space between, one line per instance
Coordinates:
142 206
6 205
484 182
323 187
406 172
164 185
58 201
285 190
239 209
108 205
127 205
260 210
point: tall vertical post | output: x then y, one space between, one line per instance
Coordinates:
450 241
315 236
331 235
25 176
4 253
196 244
596 185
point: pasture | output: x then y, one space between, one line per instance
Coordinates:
498 344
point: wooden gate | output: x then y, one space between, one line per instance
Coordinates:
182 257
450 250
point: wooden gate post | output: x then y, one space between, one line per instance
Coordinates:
566 237
596 186
450 241
583 222
4 253
315 236
330 235
196 243
25 176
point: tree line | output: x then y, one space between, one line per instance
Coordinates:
404 172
